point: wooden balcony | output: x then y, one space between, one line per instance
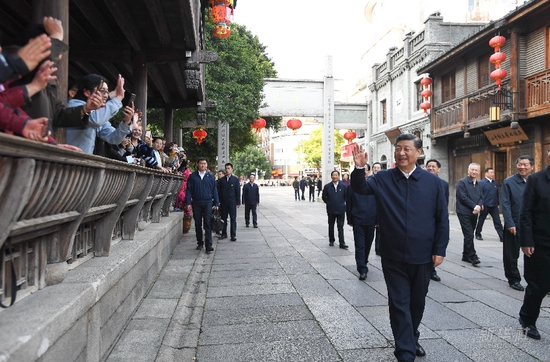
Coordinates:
471 110
60 208
537 94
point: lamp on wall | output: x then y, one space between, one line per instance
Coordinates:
494 113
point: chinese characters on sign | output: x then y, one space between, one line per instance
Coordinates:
506 135
223 144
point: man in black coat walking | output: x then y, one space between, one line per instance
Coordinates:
251 199
230 198
334 196
490 204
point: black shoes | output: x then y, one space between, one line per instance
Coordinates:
420 351
209 249
435 277
343 246
475 260
255 226
223 237
478 237
530 330
247 225
517 286
199 247
233 238
331 243
362 276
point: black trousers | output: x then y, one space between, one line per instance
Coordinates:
407 288
363 236
296 194
311 194
468 225
202 214
247 209
303 190
510 255
537 274
493 211
339 218
230 210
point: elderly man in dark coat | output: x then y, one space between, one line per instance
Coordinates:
414 226
334 196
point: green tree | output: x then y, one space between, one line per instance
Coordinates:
312 148
235 83
248 160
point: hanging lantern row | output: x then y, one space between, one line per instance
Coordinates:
258 124
221 14
199 135
294 124
350 136
498 74
426 94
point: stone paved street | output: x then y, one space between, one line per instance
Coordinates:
280 293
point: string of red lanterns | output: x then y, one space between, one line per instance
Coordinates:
221 14
199 135
258 124
426 94
498 74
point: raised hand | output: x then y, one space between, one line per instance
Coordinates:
42 77
36 49
53 27
360 157
119 90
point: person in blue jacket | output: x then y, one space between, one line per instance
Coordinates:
303 185
490 204
414 226
251 199
200 194
361 214
334 196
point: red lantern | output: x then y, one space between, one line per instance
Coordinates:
222 31
199 134
258 124
350 136
425 106
426 93
426 81
498 75
218 13
497 58
294 124
496 42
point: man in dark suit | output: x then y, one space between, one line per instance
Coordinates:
490 204
334 196
414 226
319 185
535 243
361 214
251 199
303 185
510 199
469 203
311 185
200 193
230 198
434 166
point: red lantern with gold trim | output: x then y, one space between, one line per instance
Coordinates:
350 136
425 106
219 12
426 81
258 124
497 58
497 42
426 93
199 134
294 124
498 75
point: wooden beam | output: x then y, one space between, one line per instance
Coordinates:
102 53
187 21
158 80
178 78
155 102
120 12
90 12
159 22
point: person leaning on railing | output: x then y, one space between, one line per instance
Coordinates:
98 124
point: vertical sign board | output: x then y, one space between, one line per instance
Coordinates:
223 144
328 130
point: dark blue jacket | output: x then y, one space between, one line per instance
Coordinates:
510 199
302 185
251 194
412 213
468 195
201 191
335 200
490 192
360 209
230 190
446 189
535 211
